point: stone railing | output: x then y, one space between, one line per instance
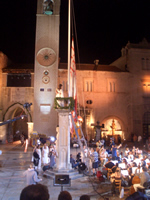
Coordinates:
64 103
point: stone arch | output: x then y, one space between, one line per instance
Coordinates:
119 129
14 106
16 128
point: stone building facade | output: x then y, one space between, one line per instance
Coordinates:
119 91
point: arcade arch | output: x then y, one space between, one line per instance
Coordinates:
16 128
113 128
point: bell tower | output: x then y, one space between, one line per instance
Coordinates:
46 66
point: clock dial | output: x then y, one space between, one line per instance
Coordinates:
46 79
46 57
46 72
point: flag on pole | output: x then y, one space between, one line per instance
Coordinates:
72 85
72 89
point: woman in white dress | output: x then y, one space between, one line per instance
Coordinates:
45 153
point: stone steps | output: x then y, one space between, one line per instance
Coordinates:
73 175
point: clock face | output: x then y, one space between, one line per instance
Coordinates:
46 79
46 57
46 72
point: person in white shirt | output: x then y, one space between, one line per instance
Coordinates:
59 93
103 155
94 156
144 176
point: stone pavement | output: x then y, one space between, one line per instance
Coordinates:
14 162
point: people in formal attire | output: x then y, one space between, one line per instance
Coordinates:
38 150
45 153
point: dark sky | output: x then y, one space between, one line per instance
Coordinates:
103 28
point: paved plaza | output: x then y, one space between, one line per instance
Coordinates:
13 162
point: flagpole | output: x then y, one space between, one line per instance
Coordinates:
69 22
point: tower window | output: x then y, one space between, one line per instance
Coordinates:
19 80
88 85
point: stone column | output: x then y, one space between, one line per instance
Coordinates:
63 141
30 130
3 134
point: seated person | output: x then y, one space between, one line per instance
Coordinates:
73 162
131 175
126 153
137 196
130 156
78 157
114 168
138 170
116 181
109 164
125 162
144 177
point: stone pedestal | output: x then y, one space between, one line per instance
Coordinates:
63 141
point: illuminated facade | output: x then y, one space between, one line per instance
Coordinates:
119 91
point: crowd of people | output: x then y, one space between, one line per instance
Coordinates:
44 158
129 166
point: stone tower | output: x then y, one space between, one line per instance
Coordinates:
46 66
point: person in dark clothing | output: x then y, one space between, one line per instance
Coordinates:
109 164
35 192
64 195
137 196
73 162
114 168
85 197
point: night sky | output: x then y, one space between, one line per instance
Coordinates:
103 28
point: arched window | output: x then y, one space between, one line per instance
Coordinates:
146 124
110 89
113 86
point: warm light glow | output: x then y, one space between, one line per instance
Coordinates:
80 119
26 145
91 121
